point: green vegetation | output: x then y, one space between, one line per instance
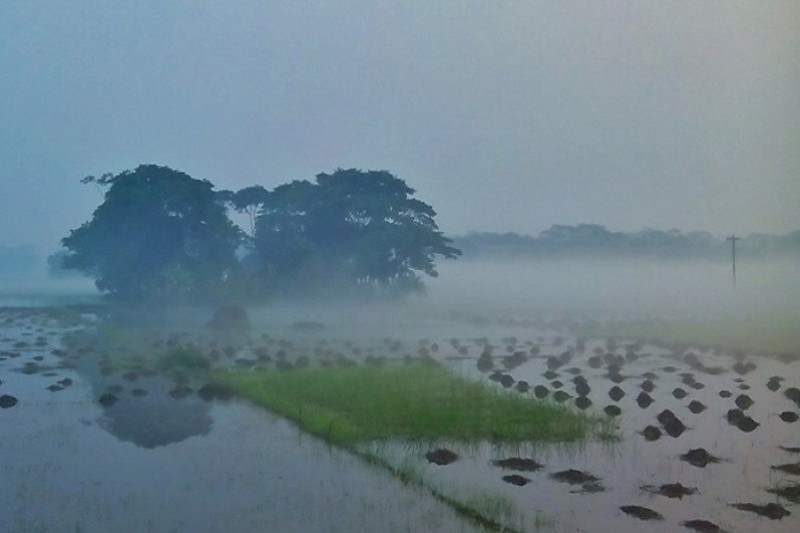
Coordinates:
184 357
161 235
158 234
771 333
413 402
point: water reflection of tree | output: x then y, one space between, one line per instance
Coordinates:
143 409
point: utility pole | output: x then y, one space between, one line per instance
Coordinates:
733 239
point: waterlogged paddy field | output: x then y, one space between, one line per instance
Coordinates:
160 460
694 437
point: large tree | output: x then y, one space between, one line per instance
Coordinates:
351 227
158 233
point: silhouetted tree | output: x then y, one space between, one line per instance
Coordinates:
158 233
352 228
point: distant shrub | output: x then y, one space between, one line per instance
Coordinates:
185 357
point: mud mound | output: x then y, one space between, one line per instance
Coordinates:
696 407
616 393
699 457
516 479
790 492
791 468
518 463
651 433
703 526
642 513
7 401
671 490
773 511
441 456
574 477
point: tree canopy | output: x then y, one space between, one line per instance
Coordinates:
158 233
161 233
351 228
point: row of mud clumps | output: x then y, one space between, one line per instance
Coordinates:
588 483
207 392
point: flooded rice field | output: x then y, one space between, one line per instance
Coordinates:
73 459
95 436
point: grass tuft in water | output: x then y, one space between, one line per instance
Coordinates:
414 402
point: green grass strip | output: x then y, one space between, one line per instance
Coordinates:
347 405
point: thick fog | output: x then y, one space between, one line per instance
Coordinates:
616 288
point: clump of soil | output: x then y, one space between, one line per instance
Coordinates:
704 526
644 400
612 410
180 391
672 425
789 416
518 463
725 393
574 477
773 511
7 401
506 380
672 490
791 468
516 479
514 360
616 393
107 399
737 418
651 433
441 456
679 393
582 402
743 368
699 457
642 513
648 385
790 449
485 361
696 407
561 396
793 393
523 386
743 402
790 492
540 391
210 391
774 383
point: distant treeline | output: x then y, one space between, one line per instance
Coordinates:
596 240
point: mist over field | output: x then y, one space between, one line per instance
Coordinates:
617 288
399 266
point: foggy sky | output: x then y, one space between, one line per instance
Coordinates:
504 115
